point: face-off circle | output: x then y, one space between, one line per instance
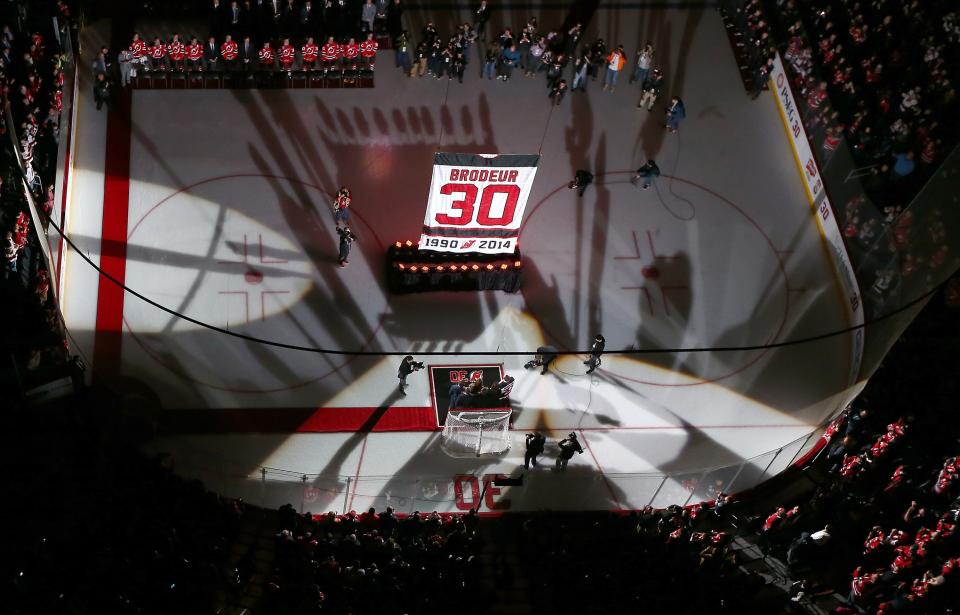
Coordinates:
243 270
624 262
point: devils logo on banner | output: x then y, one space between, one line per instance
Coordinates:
477 202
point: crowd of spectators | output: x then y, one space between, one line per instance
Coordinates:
31 87
875 87
889 71
97 527
654 561
881 75
881 526
376 563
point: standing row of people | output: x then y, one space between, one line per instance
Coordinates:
301 19
532 52
231 56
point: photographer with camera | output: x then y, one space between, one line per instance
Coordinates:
407 367
568 446
545 356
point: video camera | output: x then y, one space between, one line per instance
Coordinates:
417 365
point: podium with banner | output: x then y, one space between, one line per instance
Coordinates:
471 229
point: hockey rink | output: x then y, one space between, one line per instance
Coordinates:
222 212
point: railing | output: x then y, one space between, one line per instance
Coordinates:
54 359
579 488
65 156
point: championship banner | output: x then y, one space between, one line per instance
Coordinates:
477 202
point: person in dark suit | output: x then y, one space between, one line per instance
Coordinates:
394 18
234 19
248 55
216 15
535 444
272 10
568 446
407 367
249 20
211 53
289 19
481 17
307 22
595 351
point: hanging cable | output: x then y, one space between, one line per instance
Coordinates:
367 353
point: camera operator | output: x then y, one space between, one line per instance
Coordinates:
568 446
407 367
535 442
545 356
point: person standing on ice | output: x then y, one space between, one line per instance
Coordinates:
341 206
568 446
595 351
346 242
407 367
535 442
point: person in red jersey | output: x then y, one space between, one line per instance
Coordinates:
288 54
341 206
368 51
176 51
267 57
309 53
351 51
158 55
331 53
195 55
138 47
230 51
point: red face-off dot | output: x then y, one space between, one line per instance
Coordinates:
650 272
252 276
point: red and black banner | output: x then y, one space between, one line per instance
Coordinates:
442 377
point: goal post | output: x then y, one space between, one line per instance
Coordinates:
476 432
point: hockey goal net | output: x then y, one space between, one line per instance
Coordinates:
471 433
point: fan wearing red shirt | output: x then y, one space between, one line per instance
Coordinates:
368 51
288 54
195 55
309 52
330 53
177 51
229 50
158 55
351 51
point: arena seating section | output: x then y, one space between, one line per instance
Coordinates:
91 525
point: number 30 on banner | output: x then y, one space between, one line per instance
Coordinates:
465 205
